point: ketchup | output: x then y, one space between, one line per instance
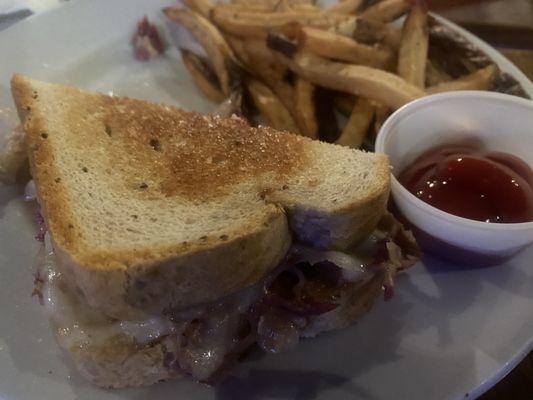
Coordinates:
465 181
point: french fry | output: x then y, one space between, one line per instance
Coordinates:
214 44
301 62
392 37
305 7
435 74
274 80
346 27
345 6
257 24
328 126
264 65
202 7
298 100
270 106
270 4
202 75
232 7
344 103
257 58
372 83
304 108
267 7
330 45
382 112
386 10
356 127
257 48
479 80
300 2
282 6
413 51
368 31
237 46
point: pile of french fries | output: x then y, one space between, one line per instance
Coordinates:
298 61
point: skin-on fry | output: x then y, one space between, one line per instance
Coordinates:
232 7
345 6
305 7
270 107
435 74
479 80
368 31
372 83
356 127
202 75
271 3
202 7
331 45
346 27
382 112
256 24
304 107
328 127
282 6
344 103
265 7
413 51
257 48
237 46
392 37
264 64
214 44
386 10
254 54
283 90
273 77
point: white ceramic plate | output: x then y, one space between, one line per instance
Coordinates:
448 333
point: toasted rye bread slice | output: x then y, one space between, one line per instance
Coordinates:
152 207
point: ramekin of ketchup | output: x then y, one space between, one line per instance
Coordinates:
461 174
471 183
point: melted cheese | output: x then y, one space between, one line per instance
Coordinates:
77 325
353 266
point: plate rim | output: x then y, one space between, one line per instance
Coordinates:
497 57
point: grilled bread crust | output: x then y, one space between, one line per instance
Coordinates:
151 207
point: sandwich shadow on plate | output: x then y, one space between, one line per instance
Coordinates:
9 193
328 366
280 384
447 290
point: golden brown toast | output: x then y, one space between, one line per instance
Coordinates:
150 206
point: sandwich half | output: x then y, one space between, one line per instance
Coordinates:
176 241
